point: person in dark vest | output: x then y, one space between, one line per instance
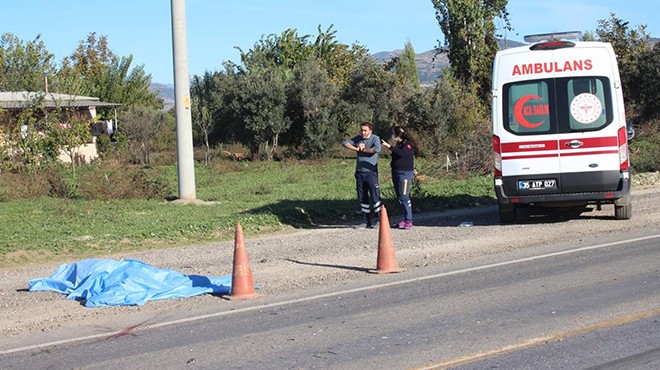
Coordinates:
367 145
403 171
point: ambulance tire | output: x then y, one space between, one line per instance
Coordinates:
623 212
507 213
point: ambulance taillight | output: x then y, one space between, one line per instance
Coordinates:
553 41
623 149
552 45
497 155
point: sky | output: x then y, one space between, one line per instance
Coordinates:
214 28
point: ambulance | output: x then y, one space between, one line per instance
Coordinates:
560 137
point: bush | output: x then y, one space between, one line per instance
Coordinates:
23 185
106 182
461 129
644 155
645 148
61 186
121 182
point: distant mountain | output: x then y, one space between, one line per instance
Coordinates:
431 63
506 44
165 92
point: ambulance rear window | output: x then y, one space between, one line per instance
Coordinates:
586 101
562 105
528 108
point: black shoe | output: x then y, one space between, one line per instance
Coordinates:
369 226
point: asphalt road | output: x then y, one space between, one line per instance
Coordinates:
562 307
613 345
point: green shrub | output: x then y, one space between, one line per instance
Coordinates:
645 155
645 148
61 185
23 185
104 145
123 182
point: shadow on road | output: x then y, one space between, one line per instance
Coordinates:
351 268
454 211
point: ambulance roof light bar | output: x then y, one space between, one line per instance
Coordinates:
569 35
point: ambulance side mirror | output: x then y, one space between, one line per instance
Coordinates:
630 130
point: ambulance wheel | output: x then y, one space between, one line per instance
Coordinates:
623 212
507 213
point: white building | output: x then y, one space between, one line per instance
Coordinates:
72 105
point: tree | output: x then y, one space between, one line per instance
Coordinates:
68 136
261 101
26 146
406 67
629 45
129 87
287 49
291 50
373 92
94 70
202 89
470 39
419 121
228 126
280 58
460 125
316 96
24 66
648 82
141 126
645 149
626 41
337 59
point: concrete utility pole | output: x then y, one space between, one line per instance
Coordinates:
184 147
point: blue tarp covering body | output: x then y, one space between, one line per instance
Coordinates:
106 282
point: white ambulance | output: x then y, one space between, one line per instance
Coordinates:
559 128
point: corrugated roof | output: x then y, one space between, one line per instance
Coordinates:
22 99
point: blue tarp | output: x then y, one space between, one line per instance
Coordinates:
107 282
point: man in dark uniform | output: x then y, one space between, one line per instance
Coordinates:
367 145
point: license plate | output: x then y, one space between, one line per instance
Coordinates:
537 184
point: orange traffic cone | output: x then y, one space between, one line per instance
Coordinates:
242 285
386 259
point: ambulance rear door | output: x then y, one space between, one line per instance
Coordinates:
528 133
588 122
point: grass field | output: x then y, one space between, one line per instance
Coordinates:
264 196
